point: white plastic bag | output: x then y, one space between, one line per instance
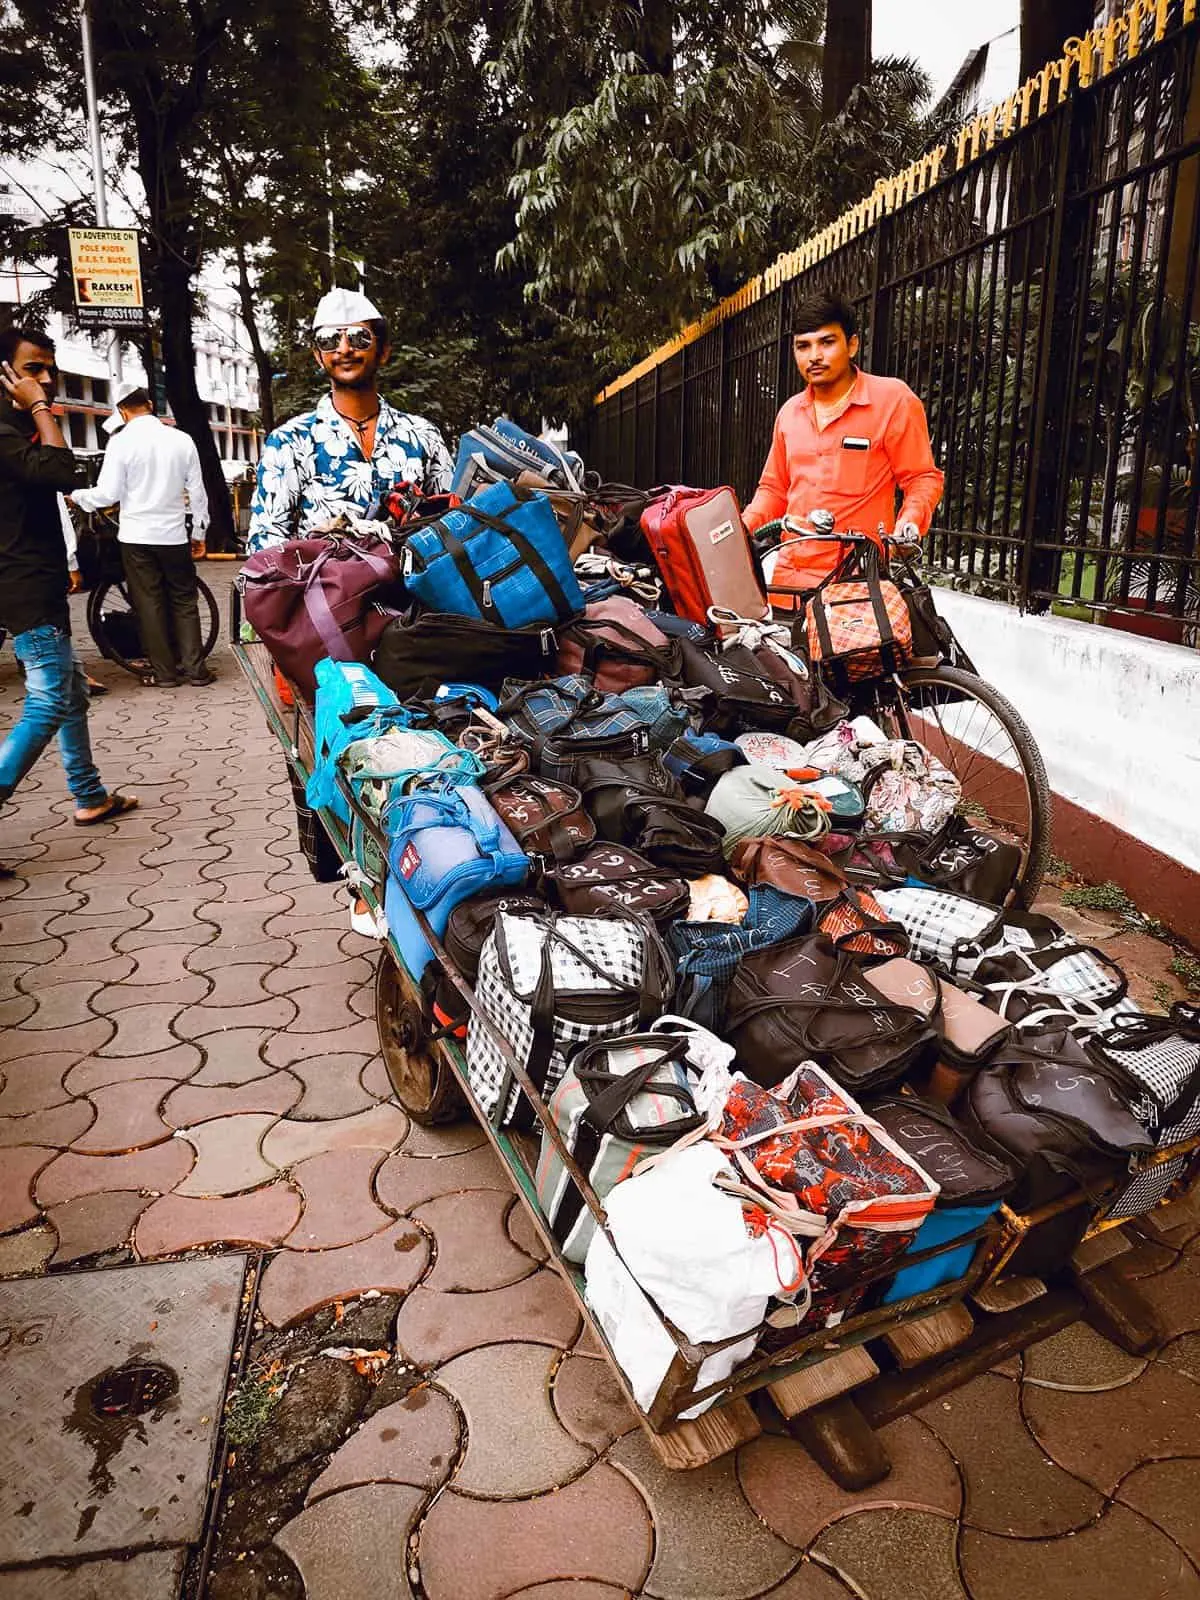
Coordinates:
687 1246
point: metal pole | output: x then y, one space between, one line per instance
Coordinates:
332 227
93 113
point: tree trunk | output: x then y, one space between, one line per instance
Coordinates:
656 36
1044 26
846 60
191 413
264 365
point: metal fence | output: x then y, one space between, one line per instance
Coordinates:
1043 302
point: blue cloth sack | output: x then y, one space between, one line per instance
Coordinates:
505 451
343 689
708 953
500 558
664 711
447 844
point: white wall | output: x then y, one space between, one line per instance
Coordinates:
1117 717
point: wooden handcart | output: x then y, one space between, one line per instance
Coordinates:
833 1386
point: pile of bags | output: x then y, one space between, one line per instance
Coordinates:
758 969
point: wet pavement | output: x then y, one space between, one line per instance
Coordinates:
189 1068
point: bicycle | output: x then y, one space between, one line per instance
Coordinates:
949 708
111 619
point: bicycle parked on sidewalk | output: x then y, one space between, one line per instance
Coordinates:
948 707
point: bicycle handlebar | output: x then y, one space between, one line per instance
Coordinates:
801 528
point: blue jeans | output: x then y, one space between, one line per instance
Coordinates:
56 701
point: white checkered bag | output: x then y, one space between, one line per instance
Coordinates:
548 984
1063 967
944 927
1162 1054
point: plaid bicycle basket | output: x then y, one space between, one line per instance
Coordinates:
857 623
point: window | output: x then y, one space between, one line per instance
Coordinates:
72 386
77 423
100 391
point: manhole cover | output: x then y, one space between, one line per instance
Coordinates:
111 1386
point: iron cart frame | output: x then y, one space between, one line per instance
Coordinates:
933 1341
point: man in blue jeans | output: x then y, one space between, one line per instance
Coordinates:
35 464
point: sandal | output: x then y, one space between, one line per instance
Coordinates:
116 806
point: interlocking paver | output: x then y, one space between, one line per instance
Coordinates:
233 1056
127 1116
17 1009
339 1207
589 1403
361 1038
1174 1292
296 1282
95 1072
95 1223
341 1538
1183 1355
406 1181
212 957
35 1082
17 1173
474 1249
1101 1437
596 1527
229 1159
141 1030
69 967
290 979
1011 1485
179 1222
906 1555
60 1125
1168 1494
1131 1557
201 1019
332 1088
63 1005
156 1169
515 1444
240 985
191 1103
26 1252
412 1441
433 1327
122 996
708 1543
1082 1360
375 1081
382 1127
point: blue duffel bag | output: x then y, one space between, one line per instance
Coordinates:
346 692
505 451
500 558
446 844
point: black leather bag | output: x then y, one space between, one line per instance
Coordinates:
808 998
1067 1124
420 650
610 880
743 697
959 858
639 804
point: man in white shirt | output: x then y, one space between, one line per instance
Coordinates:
153 473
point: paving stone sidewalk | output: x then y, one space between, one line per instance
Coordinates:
189 1062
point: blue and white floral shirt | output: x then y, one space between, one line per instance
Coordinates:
313 468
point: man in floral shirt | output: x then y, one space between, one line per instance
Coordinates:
345 455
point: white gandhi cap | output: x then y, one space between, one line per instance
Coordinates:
342 306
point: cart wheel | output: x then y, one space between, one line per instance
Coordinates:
423 1084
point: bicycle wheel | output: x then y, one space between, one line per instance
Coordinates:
985 742
112 623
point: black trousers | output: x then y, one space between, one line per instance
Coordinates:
161 579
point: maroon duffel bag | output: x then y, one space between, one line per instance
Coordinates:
330 595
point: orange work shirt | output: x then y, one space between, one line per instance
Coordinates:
851 467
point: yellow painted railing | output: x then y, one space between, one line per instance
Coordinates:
1083 62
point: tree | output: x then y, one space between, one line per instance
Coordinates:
1045 24
847 56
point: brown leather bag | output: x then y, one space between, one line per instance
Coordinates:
544 817
617 642
790 865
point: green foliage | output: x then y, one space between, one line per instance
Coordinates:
1098 897
249 1410
1187 969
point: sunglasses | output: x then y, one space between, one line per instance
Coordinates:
326 340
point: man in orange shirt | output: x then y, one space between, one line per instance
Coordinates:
845 444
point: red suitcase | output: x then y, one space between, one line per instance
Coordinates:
703 553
